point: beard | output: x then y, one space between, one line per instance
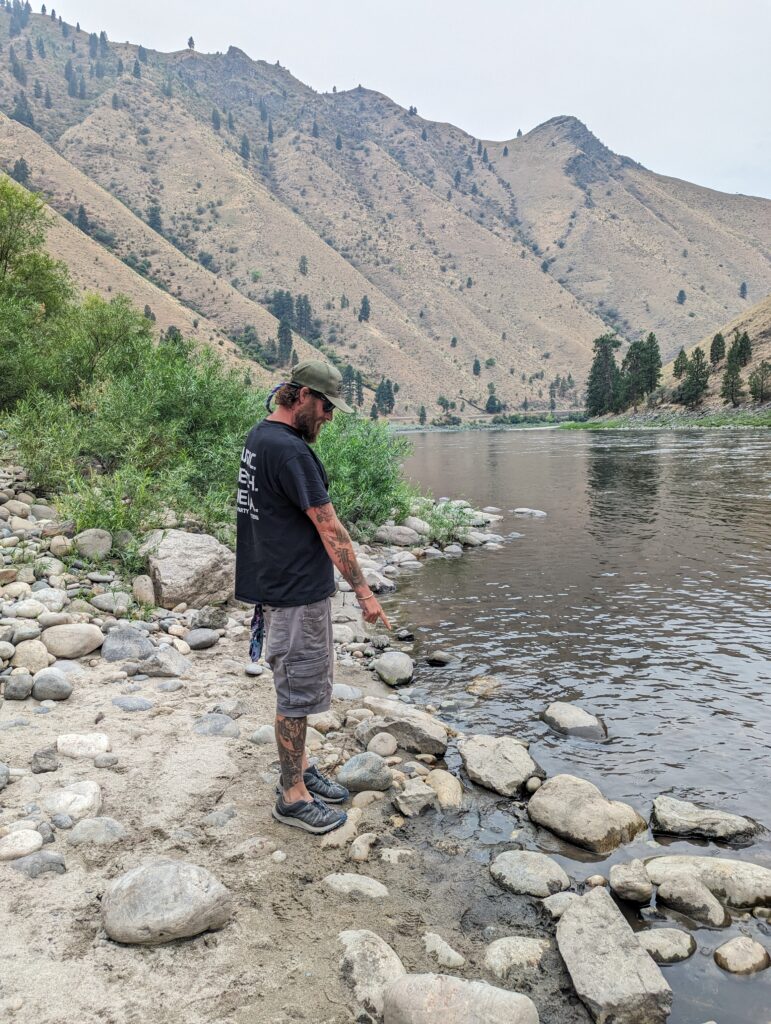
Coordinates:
308 425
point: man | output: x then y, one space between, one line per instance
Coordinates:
289 538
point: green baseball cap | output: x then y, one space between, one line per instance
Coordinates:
321 377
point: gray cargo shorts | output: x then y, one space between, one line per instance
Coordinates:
301 655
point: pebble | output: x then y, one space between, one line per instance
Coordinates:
442 951
362 846
216 725
82 744
105 760
347 884
382 743
20 844
132 703
39 863
51 684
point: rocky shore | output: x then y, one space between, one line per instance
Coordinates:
144 878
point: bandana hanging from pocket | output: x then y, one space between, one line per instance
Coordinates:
257 633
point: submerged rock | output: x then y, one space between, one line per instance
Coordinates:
613 975
576 810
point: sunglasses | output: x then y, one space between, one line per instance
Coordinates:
326 405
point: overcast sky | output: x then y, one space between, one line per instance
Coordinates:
683 86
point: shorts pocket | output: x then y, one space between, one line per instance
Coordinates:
306 681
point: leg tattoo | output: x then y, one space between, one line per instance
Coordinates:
290 739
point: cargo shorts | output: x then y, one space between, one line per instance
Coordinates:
301 655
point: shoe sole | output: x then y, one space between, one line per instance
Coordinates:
286 819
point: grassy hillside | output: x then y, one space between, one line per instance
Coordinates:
516 254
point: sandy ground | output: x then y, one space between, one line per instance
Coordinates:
278 960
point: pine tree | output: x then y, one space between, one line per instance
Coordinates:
485 157
47 99
717 349
633 370
731 389
295 358
20 171
121 68
30 54
142 54
37 89
191 43
263 110
93 45
760 382
359 389
457 179
265 155
652 372
22 111
476 368
681 364
743 348
284 342
422 415
696 381
505 150
315 129
246 149
364 309
231 122
82 220
72 86
338 142
115 101
82 88
424 135
303 266
519 133
137 71
154 217
479 148
348 383
104 48
743 290
373 411
41 47
681 297
270 132
215 119
603 388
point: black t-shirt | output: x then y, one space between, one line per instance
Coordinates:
280 559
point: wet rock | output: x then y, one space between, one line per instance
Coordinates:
442 951
413 730
535 513
72 641
93 544
36 864
361 846
630 882
514 953
499 763
44 760
167 662
448 789
576 810
383 744
394 667
613 975
415 798
682 818
162 901
667 945
740 883
126 643
18 686
87 744
201 639
347 884
51 684
439 658
484 687
188 567
368 966
365 771
689 896
442 999
528 873
78 800
96 831
572 720
132 703
20 844
213 724
742 955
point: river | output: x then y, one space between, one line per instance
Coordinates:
644 595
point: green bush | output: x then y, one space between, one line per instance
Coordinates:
364 462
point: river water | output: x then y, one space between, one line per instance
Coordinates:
644 595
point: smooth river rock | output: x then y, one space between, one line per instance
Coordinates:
691 897
126 643
21 843
615 978
93 543
394 667
513 953
500 763
40 863
31 655
97 831
348 884
51 684
162 901
683 818
667 945
576 810
630 882
572 720
78 800
86 744
72 641
742 955
528 873
365 771
369 966
442 999
739 882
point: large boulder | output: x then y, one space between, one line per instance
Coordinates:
576 810
572 720
528 873
682 818
442 999
401 536
500 763
614 976
691 897
94 544
739 882
394 667
166 662
369 965
75 640
188 567
413 730
162 901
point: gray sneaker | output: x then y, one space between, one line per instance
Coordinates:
319 785
313 815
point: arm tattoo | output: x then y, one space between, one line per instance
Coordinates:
338 544
290 740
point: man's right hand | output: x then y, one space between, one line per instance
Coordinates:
372 611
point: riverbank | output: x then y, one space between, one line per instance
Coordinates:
671 419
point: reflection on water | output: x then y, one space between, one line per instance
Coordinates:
645 595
